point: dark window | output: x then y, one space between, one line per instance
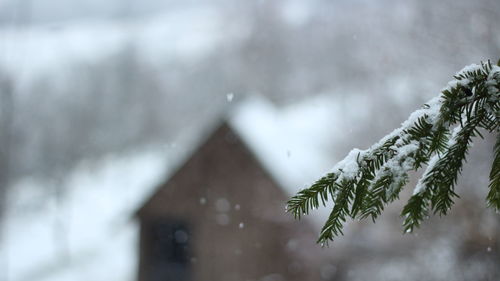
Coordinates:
169 251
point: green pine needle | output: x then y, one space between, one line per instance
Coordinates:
469 104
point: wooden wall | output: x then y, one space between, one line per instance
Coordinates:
236 215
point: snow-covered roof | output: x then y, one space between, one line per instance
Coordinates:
91 223
291 157
291 142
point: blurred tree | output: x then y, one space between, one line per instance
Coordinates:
6 134
6 118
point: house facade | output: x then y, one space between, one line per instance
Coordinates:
221 217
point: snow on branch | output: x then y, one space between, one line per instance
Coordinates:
364 182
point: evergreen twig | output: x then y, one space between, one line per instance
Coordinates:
363 183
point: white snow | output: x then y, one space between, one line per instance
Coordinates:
455 83
270 136
349 166
222 205
203 201
469 68
96 229
420 187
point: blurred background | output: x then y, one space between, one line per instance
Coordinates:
101 100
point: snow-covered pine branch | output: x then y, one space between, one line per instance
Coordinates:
437 135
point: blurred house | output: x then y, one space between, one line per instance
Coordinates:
215 209
221 217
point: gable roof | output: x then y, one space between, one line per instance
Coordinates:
287 156
291 157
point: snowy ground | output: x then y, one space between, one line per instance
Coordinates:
91 226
